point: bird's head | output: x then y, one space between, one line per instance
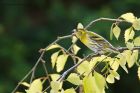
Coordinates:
80 31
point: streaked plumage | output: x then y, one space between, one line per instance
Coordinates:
93 41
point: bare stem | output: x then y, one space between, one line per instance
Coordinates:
104 19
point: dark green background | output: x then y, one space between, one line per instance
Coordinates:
28 25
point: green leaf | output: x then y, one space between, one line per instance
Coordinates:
116 31
54 58
89 84
35 87
61 61
137 41
76 49
129 17
136 24
74 79
129 34
71 90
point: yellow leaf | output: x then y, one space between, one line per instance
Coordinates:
115 74
138 73
54 58
36 87
60 63
74 39
71 90
25 84
55 77
55 85
76 49
80 26
130 45
53 47
136 24
133 58
100 82
116 31
129 34
128 17
114 64
83 68
137 41
127 54
89 84
74 79
110 78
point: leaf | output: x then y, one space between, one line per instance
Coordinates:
55 77
114 64
74 79
74 39
133 58
55 86
89 84
71 90
137 41
60 63
80 26
129 34
53 47
111 31
100 82
130 45
136 24
138 73
128 17
110 78
76 49
127 54
115 74
35 87
54 58
25 84
83 68
116 31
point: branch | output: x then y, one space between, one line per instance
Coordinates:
104 19
39 60
121 49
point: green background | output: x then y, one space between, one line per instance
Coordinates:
28 25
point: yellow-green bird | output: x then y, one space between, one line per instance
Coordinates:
93 41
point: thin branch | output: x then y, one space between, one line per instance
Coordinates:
125 48
75 66
104 19
39 59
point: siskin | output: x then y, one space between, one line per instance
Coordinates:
93 41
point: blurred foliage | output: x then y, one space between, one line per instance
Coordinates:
28 25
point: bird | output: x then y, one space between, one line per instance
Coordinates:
94 41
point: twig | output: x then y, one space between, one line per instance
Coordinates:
125 48
104 19
73 67
39 59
